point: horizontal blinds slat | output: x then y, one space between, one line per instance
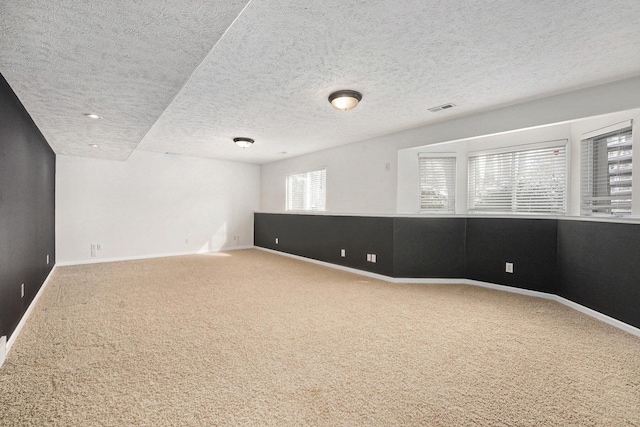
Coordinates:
307 191
519 181
437 184
607 165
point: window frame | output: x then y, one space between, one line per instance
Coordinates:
514 149
588 176
451 198
309 201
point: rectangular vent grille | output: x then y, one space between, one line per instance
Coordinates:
441 107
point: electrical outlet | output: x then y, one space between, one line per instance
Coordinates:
98 246
343 253
47 259
373 257
369 257
22 291
276 240
186 241
93 250
509 267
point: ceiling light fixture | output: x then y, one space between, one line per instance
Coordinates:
94 145
93 116
345 100
243 142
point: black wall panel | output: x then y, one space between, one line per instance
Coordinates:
27 209
529 243
321 237
429 247
599 266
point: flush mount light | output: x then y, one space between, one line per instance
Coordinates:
94 145
93 116
345 100
243 142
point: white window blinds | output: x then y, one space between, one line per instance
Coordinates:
437 183
307 191
607 171
524 181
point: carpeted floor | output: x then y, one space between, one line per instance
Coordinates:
253 338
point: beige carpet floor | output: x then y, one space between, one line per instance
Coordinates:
253 338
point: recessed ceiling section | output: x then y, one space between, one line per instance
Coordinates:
271 74
126 60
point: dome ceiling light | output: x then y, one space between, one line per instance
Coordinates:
345 100
243 142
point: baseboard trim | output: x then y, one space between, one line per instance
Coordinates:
3 349
588 311
139 257
597 315
334 266
27 313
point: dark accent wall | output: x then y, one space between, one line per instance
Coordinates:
429 247
321 237
599 265
594 264
27 209
530 244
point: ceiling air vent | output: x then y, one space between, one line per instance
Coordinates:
441 107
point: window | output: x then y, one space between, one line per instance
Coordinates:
437 183
307 191
607 170
531 180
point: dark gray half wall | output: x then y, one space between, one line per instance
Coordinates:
429 247
321 237
27 209
599 265
530 244
593 264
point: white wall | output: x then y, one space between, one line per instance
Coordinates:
357 178
152 204
357 181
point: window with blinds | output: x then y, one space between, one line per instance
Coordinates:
607 171
532 180
437 183
307 191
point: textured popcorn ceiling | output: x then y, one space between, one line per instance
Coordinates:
167 78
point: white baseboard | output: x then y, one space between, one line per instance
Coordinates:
25 316
334 266
139 257
590 312
597 315
3 349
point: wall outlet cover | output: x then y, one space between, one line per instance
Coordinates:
509 267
